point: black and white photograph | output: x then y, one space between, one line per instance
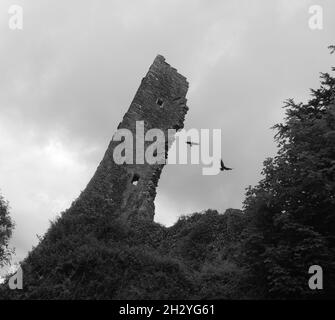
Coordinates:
159 150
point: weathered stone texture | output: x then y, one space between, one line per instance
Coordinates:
111 186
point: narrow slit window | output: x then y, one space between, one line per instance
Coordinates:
160 102
135 179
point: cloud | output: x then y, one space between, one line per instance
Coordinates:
39 179
289 9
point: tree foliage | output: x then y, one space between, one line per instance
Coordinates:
291 211
112 259
6 228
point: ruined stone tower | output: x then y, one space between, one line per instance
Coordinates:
160 102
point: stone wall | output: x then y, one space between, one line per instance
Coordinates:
160 102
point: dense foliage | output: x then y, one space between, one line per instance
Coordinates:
291 212
139 260
6 228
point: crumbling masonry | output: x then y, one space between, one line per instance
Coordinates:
130 189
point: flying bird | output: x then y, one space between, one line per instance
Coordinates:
223 167
190 143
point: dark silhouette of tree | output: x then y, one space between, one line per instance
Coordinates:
291 212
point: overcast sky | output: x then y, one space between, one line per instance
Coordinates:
68 77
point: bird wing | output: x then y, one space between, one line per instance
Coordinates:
192 143
222 164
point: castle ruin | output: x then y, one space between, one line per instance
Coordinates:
130 189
